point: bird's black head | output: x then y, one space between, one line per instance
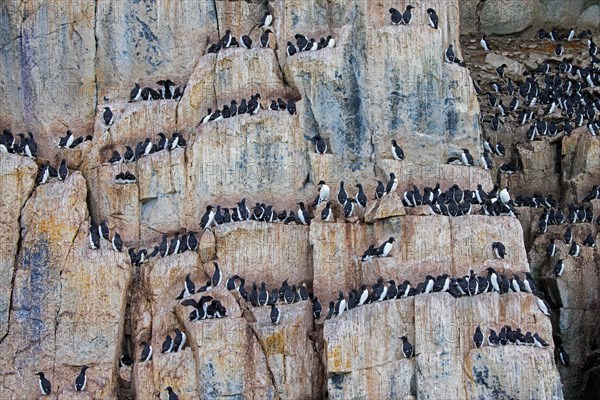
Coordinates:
321 182
169 389
409 7
391 239
40 374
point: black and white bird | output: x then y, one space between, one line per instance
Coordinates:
108 116
172 394
217 275
575 250
500 70
466 157
449 55
407 16
551 248
379 190
264 38
564 357
407 348
396 16
63 171
392 184
246 42
266 20
146 352
478 337
499 250
167 346
433 18
136 93
303 215
397 151
385 248
484 43
45 385
493 339
208 218
81 379
323 192
275 315
326 213
291 49
340 306
342 196
179 341
559 268
361 197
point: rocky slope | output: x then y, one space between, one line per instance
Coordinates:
64 305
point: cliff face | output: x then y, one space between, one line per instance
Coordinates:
64 305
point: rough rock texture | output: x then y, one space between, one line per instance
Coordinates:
17 177
514 16
67 301
63 305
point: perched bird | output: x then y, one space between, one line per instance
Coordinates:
275 315
217 275
478 337
172 394
396 16
499 250
484 43
397 151
564 357
146 352
108 116
266 20
45 385
407 348
433 18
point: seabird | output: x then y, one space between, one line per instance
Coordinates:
379 190
551 248
478 337
385 248
208 218
108 116
575 249
323 192
326 213
397 151
433 18
266 20
246 42
167 346
361 197
317 308
264 38
275 315
449 55
392 184
63 171
136 93
407 348
484 43
45 385
466 157
342 196
407 16
146 352
217 276
340 307
493 339
291 49
179 341
172 394
499 250
396 16
564 357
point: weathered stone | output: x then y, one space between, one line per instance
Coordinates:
57 280
263 252
17 177
512 67
145 42
509 16
47 57
388 206
580 164
291 359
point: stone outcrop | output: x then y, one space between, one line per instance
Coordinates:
63 305
67 302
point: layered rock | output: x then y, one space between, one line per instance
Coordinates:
17 177
68 302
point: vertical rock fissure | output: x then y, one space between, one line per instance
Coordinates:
15 266
264 350
95 57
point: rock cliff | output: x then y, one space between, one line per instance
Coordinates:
64 305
